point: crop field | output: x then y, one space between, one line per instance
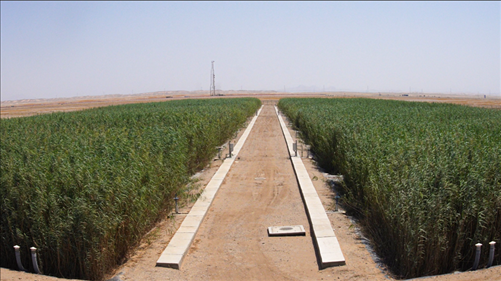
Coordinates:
423 179
84 187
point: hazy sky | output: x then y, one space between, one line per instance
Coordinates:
64 49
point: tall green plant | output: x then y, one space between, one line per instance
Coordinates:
425 179
84 187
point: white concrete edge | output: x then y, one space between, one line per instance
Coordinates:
180 242
326 242
244 136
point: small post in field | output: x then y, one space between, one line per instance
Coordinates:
477 255
18 258
177 208
34 259
230 147
491 253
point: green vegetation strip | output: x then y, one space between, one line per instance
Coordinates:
84 187
424 179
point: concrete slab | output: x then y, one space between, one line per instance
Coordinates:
317 212
204 199
309 189
302 173
330 252
214 186
320 220
199 212
211 193
169 260
312 201
310 194
288 230
177 248
185 228
192 221
178 245
215 182
199 208
323 230
194 217
201 204
219 176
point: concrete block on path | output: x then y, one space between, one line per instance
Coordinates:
323 230
288 230
170 260
330 252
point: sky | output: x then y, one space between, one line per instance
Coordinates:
67 49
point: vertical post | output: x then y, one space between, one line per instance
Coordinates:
212 81
34 259
477 255
337 202
176 199
491 253
18 258
296 148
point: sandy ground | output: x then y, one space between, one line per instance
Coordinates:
232 243
20 108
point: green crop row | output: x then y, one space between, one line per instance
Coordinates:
424 179
84 187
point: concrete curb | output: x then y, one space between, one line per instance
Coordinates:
326 243
178 246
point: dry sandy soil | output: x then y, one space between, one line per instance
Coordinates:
20 108
260 190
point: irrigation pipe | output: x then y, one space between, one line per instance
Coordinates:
34 259
18 258
477 255
491 253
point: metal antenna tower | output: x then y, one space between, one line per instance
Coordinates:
212 81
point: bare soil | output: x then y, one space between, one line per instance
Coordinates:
21 108
232 243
